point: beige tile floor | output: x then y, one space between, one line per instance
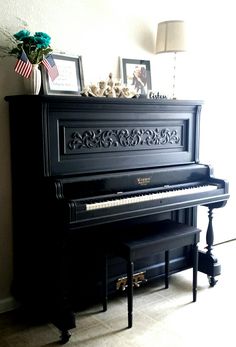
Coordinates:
162 317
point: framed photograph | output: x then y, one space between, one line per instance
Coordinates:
136 74
70 79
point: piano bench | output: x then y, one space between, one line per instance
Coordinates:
154 238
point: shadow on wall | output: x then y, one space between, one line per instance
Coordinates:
143 35
10 82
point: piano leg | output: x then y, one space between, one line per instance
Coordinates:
208 264
65 336
210 233
64 321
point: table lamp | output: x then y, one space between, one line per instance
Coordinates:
171 37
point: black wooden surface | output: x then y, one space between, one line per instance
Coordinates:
85 135
65 148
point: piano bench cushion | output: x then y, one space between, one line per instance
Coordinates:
154 238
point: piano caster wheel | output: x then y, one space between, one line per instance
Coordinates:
65 336
212 281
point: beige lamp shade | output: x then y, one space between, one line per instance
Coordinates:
171 37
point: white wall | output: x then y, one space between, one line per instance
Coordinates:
102 31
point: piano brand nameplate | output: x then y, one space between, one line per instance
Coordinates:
143 181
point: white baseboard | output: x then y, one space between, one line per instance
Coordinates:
8 304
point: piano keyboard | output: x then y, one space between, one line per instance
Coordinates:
149 197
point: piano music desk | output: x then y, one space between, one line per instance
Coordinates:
154 238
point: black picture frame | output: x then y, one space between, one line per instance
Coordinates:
136 73
70 80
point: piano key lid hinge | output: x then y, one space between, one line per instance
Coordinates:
138 279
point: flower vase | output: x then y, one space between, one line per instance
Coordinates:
33 83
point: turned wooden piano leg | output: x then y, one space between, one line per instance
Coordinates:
209 241
210 233
208 263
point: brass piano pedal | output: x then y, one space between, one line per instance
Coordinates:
138 279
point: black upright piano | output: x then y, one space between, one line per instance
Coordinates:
83 169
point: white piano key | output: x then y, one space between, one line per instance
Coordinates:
149 197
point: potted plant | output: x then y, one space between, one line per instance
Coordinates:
31 51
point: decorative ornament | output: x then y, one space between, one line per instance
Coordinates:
109 89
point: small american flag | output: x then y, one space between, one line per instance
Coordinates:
50 65
23 66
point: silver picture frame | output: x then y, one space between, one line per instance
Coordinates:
70 80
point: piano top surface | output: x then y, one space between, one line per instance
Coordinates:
97 100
